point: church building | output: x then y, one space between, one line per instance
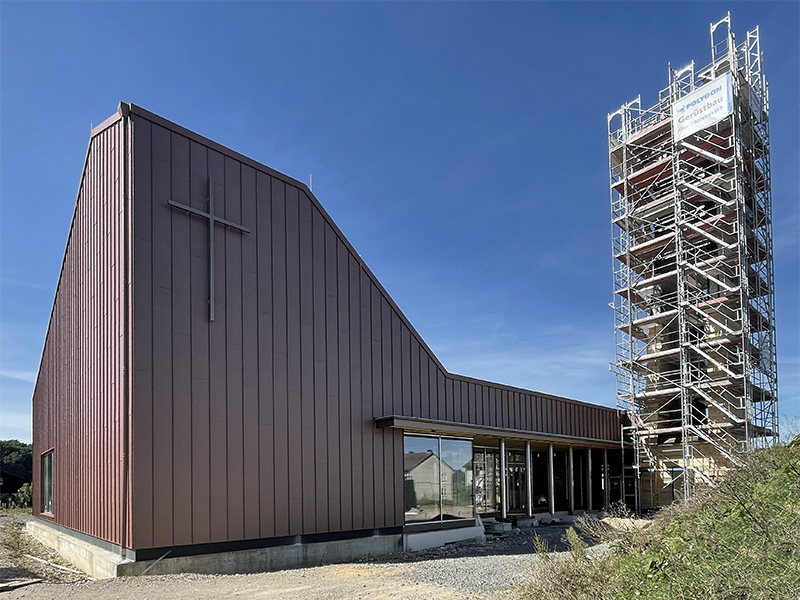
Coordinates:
226 387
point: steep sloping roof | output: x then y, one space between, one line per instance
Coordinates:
411 460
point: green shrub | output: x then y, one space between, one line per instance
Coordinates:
24 496
739 542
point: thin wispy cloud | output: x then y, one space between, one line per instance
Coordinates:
23 283
27 376
575 366
786 241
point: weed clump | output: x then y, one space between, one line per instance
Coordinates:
739 542
11 538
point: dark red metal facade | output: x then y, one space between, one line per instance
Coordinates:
79 398
261 423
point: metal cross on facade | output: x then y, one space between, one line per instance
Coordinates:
212 220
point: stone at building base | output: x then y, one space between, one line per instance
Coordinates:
497 526
527 523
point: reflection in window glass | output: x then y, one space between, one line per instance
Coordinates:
486 471
456 479
516 481
422 478
47 482
437 487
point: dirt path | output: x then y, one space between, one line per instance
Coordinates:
333 582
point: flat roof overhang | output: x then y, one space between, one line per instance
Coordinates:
451 427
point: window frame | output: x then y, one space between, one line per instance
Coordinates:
47 503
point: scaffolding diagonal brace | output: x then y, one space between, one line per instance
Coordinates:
705 194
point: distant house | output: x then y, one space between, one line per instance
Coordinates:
10 484
223 373
428 480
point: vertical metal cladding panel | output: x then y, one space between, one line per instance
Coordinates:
200 421
280 395
79 394
218 360
142 401
320 354
181 342
231 249
163 367
265 353
306 488
331 454
355 472
365 425
250 372
343 436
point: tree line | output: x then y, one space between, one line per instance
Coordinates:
16 472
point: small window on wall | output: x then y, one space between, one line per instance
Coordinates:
47 482
437 479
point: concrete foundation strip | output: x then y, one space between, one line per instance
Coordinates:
156 562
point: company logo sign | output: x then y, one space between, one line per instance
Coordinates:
705 106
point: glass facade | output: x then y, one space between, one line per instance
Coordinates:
437 479
449 478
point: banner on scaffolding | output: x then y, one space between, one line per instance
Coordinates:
703 107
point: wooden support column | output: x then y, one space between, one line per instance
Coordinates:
606 480
551 480
571 477
503 482
528 481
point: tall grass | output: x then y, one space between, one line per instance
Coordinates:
740 542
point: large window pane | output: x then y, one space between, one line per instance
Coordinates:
560 480
540 477
421 478
516 481
47 482
598 480
580 478
486 470
456 477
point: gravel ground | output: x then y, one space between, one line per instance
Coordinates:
474 568
490 570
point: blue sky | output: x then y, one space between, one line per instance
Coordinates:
461 147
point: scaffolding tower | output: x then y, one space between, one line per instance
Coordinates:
694 296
